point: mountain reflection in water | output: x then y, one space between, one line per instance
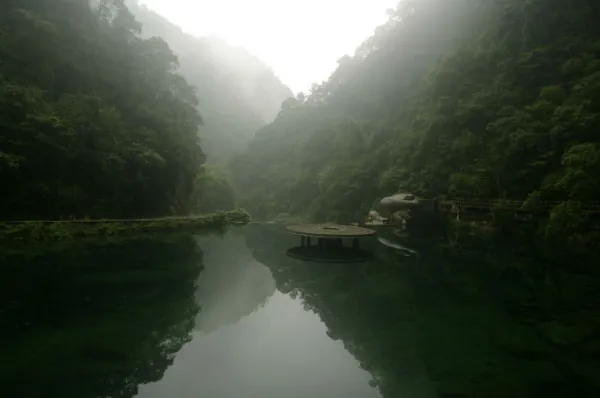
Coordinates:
233 315
254 340
232 285
94 319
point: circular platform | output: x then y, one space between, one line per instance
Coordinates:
330 231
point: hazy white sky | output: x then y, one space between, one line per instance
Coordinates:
300 39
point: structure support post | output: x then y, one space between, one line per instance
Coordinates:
355 243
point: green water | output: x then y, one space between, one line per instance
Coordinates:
232 316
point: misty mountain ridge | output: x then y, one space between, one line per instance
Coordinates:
238 93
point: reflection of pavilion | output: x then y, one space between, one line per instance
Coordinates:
330 254
330 247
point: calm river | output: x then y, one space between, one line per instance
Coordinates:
233 316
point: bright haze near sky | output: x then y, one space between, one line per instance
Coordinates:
301 40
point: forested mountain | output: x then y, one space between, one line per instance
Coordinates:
94 120
100 118
489 99
237 93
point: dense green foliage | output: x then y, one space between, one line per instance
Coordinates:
214 192
97 117
94 120
65 230
489 99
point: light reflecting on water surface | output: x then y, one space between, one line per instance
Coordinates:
233 315
253 341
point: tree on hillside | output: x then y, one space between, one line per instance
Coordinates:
95 120
483 99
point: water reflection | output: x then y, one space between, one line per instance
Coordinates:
469 317
233 283
253 341
329 254
94 320
476 318
395 241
